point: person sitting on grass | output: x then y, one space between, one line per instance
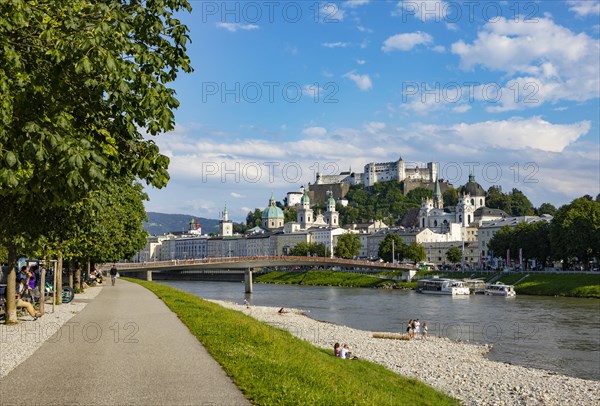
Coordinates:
346 354
336 350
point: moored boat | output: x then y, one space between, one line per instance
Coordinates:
500 289
439 286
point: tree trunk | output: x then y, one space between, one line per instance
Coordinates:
42 285
58 285
11 280
70 273
77 281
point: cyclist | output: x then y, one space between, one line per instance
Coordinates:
113 274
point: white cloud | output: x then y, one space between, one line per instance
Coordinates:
355 3
546 60
584 7
361 61
405 42
335 44
439 49
233 27
518 133
463 108
207 172
364 29
313 91
362 81
314 132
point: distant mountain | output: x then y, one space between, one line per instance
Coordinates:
161 223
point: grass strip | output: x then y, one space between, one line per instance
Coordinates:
272 367
324 278
574 285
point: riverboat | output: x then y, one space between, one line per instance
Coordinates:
477 286
500 289
439 286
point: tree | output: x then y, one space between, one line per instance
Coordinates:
348 246
254 219
575 231
415 252
290 214
450 197
391 248
454 255
546 208
520 204
92 82
303 249
501 241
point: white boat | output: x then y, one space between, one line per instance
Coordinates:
500 289
439 286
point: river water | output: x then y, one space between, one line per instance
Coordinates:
557 334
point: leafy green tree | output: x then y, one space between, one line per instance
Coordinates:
415 252
454 255
575 231
254 219
418 194
97 75
520 204
450 197
546 208
304 249
502 241
392 247
495 199
290 214
348 246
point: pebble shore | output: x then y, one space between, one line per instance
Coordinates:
19 341
456 368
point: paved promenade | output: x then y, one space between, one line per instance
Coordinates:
125 348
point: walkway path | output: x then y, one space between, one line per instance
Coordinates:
125 348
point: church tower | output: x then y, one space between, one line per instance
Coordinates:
332 217
438 201
226 226
305 213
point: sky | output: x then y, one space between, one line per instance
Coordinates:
506 90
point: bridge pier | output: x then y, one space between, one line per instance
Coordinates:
149 276
248 280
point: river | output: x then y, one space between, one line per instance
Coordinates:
557 334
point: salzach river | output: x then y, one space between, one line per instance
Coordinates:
558 334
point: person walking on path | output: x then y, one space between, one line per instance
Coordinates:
113 274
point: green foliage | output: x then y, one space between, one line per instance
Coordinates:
348 246
383 201
450 197
546 208
96 73
290 214
515 203
254 219
304 249
391 245
454 255
575 231
415 252
533 239
322 278
572 285
257 357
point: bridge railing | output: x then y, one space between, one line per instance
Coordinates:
269 258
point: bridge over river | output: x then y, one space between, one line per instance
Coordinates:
246 265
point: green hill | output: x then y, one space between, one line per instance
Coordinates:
161 223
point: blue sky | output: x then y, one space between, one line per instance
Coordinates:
509 90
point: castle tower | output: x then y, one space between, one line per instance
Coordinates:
226 226
331 215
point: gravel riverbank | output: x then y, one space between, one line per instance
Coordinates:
19 341
456 368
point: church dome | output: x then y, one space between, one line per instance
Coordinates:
472 188
305 199
272 212
330 200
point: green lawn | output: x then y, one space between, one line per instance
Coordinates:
573 285
272 367
323 278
